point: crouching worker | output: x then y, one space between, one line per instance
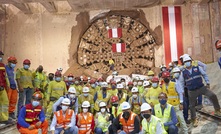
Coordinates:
64 120
31 117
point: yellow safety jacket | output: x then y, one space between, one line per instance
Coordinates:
123 98
173 97
102 121
116 110
140 89
150 127
100 98
78 89
135 104
82 98
56 89
94 90
25 77
152 95
165 117
113 92
39 80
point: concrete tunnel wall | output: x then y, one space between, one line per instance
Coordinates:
51 40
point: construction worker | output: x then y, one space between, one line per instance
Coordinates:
85 96
39 78
72 97
162 69
166 113
56 89
113 91
146 86
218 47
130 85
60 70
151 97
77 85
101 95
64 119
195 86
25 82
128 120
116 109
102 119
85 120
135 101
93 88
150 123
135 80
31 117
70 80
175 97
111 64
140 86
121 95
12 91
170 67
150 75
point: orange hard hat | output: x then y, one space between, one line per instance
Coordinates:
165 74
26 61
130 83
114 99
70 75
12 59
155 79
37 96
58 73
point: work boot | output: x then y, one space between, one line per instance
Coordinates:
12 115
199 107
9 121
187 121
217 113
195 122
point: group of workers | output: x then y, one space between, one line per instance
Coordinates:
71 105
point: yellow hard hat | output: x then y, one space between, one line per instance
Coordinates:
150 72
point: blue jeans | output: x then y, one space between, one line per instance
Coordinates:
27 94
98 131
172 129
72 130
185 107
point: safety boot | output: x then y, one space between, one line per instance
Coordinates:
195 122
12 115
217 113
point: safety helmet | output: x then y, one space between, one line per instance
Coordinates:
12 59
66 101
176 69
37 96
184 55
92 81
130 83
85 90
218 44
70 75
187 58
114 99
125 105
26 61
72 90
146 83
150 72
104 84
162 66
77 78
85 78
165 74
170 64
145 107
134 90
175 60
114 73
59 69
86 104
136 78
58 74
120 86
155 79
102 104
113 82
100 79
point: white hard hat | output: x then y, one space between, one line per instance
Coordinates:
161 66
86 104
144 107
146 83
134 90
72 90
125 106
88 78
175 59
114 73
86 89
60 69
176 69
182 56
102 104
120 86
187 58
66 101
104 84
170 64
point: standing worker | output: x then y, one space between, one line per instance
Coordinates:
39 78
85 96
135 101
218 47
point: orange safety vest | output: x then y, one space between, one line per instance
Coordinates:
62 121
85 124
128 126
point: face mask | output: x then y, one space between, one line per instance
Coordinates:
146 116
163 101
76 82
103 110
134 95
154 85
0 59
35 103
163 69
187 64
123 83
176 75
113 86
115 105
72 96
58 78
120 91
104 89
85 110
26 66
140 83
70 79
150 77
85 94
135 83
13 65
166 80
126 115
93 85
64 108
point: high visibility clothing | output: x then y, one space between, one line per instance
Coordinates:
63 121
43 127
128 126
140 89
25 77
165 117
102 121
150 127
123 98
135 104
113 92
12 98
39 80
93 91
82 98
152 95
193 81
100 99
173 97
195 63
85 124
78 89
116 110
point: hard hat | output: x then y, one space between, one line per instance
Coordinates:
218 44
175 59
70 75
86 104
146 83
72 90
60 69
92 81
125 105
145 107
102 104
37 96
170 64
130 83
150 72
115 73
114 99
88 78
182 56
85 78
120 86
100 79
162 66
176 69
187 58
12 59
85 89
77 78
134 90
104 84
66 101
113 82
58 73
165 74
26 61
155 79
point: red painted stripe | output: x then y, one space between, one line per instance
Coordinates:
114 48
123 47
166 33
110 33
119 32
179 33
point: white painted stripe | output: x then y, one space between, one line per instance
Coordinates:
114 33
118 47
173 38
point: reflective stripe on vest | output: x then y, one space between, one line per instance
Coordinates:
102 121
32 114
170 90
129 125
62 121
85 124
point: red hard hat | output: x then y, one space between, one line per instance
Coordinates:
100 79
12 59
77 78
58 73
92 81
113 82
114 99
155 79
37 95
70 75
130 83
26 61
218 44
165 74
85 78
